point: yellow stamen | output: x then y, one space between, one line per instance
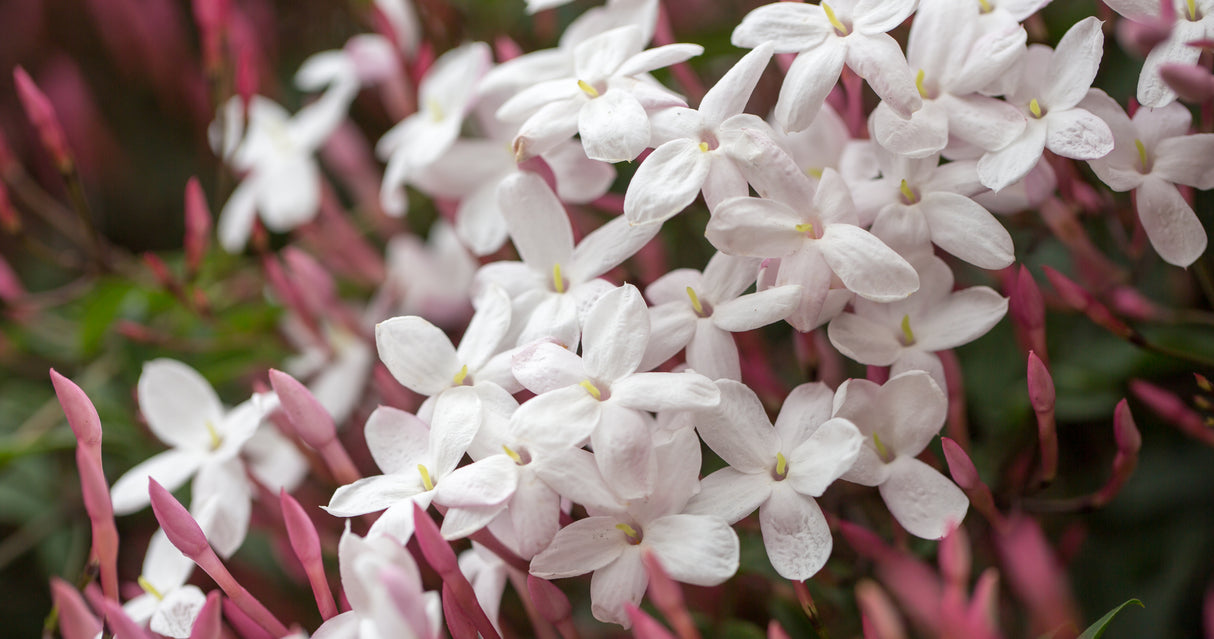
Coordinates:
882 451
781 465
985 6
591 388
1142 153
704 147
695 301
558 282
436 110
919 84
513 455
216 440
460 376
149 588
907 193
587 89
834 20
426 481
630 532
1192 5
908 337
1035 108
807 227
814 172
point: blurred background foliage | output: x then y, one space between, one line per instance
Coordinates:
139 133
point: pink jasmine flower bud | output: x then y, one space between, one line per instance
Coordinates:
441 557
878 614
1032 571
667 596
10 221
119 623
76 621
961 467
1028 311
1041 396
42 115
197 223
212 19
645 626
1129 440
81 414
314 425
1081 300
550 601
306 544
458 622
1172 409
209 624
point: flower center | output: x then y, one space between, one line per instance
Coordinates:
149 588
702 308
908 337
425 473
1143 159
780 471
634 535
884 453
216 439
1035 109
840 28
559 283
908 194
587 89
436 110
522 456
601 393
985 6
461 378
1191 6
923 93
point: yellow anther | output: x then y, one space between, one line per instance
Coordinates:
985 6
1192 5
1142 153
436 110
216 440
919 84
1035 108
834 20
591 388
814 172
513 455
908 337
695 301
587 89
781 465
426 481
908 193
149 588
704 147
460 376
630 532
558 282
806 227
882 451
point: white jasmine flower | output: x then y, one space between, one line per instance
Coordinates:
168 604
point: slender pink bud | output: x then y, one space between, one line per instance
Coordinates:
120 624
9 220
81 414
1033 574
550 601
212 19
1083 301
312 422
76 621
209 623
776 631
1172 409
242 623
1127 301
1129 441
314 283
41 112
246 76
1028 310
181 528
1191 82
441 557
668 597
11 290
197 223
1042 397
644 626
458 623
881 620
962 469
506 48
954 557
306 544
160 271
985 602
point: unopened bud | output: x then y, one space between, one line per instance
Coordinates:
9 220
208 624
880 618
1191 82
80 412
76 621
1081 300
197 225
310 419
549 600
1172 409
180 527
41 112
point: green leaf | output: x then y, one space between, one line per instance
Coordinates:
1095 630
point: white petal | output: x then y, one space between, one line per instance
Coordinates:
752 311
175 615
985 122
923 501
397 440
624 452
170 469
713 353
371 494
795 534
666 182
866 265
879 16
486 329
575 475
694 549
672 327
962 318
1077 134
729 95
558 419
665 391
738 430
750 226
659 58
488 482
804 410
545 367
962 227
418 353
585 545
878 59
822 458
600 56
535 514
620 582
165 567
731 494
613 127
236 218
463 521
924 133
178 404
1173 228
1073 65
457 417
1152 90
1174 160
608 246
615 334
809 80
791 27
864 340
538 223
999 169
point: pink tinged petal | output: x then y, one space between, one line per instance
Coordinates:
170 468
538 223
878 59
730 94
608 246
824 457
991 56
1174 160
462 521
755 310
666 182
575 475
617 584
578 179
809 80
398 520
1073 65
164 566
866 265
713 353
418 353
917 360
615 334
665 391
731 494
1173 228
738 430
960 319
923 501
457 417
795 534
488 482
289 193
178 404
479 222
486 329
614 127
221 503
537 96
397 440
725 277
985 122
372 494
1153 91
1077 134
585 545
175 615
833 199
658 58
749 226
694 549
924 133
545 367
962 227
535 514
879 16
868 469
999 169
559 418
552 125
236 218
343 626
804 410
864 340
910 409
624 452
672 327
790 27
601 55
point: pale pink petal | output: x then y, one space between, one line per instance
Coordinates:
808 81
1073 65
178 404
488 482
665 391
585 545
713 353
666 182
671 328
371 494
791 27
176 613
620 582
694 549
535 514
397 440
729 95
864 340
615 334
749 226
1173 228
1077 134
866 265
878 59
822 458
1152 90
545 367
738 430
1174 160
961 318
805 408
921 135
962 227
731 494
623 450
726 276
613 127
795 534
1000 169
911 409
659 58
559 418
608 246
879 16
985 122
923 501
418 353
538 223
170 469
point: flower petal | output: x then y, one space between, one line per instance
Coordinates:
615 334
738 430
925 503
1173 228
795 534
666 182
418 353
613 127
585 545
731 494
866 265
665 391
809 80
695 549
179 404
962 227
824 457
